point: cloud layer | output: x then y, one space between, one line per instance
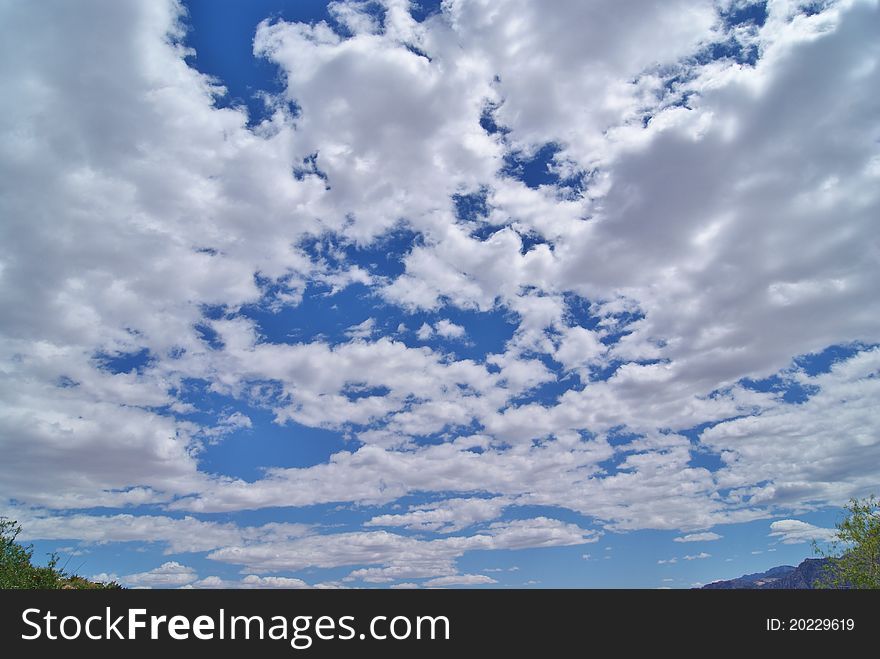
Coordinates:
612 260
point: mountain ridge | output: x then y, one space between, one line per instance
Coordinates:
781 577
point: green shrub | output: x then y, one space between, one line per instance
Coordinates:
854 557
17 570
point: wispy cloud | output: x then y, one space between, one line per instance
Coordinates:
698 537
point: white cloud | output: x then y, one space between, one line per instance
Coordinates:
228 424
168 575
147 174
236 420
598 46
443 328
698 537
444 517
185 534
449 330
578 347
688 557
104 577
413 136
400 557
460 580
354 17
363 330
794 531
251 581
800 451
695 557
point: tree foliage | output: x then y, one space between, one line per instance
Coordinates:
18 571
854 557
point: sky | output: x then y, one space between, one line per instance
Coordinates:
476 293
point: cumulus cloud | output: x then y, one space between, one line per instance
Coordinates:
794 531
443 328
449 330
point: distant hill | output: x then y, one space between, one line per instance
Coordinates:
782 577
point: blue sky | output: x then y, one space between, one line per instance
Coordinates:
392 294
